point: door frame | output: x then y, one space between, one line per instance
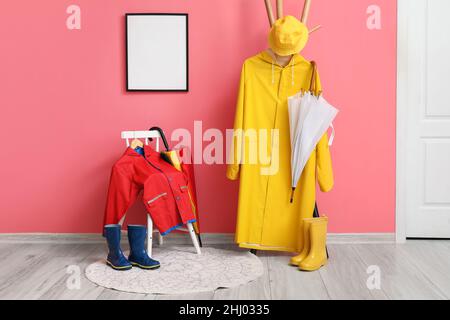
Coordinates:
402 120
412 64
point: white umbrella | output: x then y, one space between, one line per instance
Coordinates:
299 106
320 117
309 118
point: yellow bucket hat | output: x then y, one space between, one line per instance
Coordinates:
288 36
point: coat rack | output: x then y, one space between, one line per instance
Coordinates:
304 16
304 20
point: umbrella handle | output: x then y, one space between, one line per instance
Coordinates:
316 211
312 85
292 195
163 136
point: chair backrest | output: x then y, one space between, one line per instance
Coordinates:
146 135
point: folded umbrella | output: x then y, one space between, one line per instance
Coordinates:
310 117
320 117
299 107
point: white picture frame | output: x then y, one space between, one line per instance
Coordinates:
157 52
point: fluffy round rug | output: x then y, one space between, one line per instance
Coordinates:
182 271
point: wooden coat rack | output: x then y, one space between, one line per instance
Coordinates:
304 16
304 20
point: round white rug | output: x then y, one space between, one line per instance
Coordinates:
182 271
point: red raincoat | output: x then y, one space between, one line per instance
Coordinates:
165 196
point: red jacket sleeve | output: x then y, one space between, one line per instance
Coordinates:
122 194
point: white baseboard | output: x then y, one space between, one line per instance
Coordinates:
360 238
182 238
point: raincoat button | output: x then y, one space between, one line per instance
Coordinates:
178 198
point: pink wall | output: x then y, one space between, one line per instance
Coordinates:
63 105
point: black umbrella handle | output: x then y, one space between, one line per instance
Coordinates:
163 136
316 211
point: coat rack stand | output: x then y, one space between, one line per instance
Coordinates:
304 19
304 16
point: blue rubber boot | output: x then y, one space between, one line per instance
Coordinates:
116 259
138 255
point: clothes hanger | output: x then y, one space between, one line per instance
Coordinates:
136 142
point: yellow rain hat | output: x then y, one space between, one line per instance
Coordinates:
288 36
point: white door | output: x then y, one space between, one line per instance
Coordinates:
423 154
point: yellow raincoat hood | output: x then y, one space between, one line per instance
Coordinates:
297 59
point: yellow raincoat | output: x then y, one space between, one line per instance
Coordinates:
266 218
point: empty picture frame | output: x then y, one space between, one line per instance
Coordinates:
157 52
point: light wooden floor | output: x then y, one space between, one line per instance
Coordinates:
416 270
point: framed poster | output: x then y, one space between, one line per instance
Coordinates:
157 52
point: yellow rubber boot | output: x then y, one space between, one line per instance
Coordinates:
306 240
305 234
317 256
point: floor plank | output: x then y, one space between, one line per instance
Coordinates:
21 263
87 290
345 275
416 270
289 283
400 278
432 258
